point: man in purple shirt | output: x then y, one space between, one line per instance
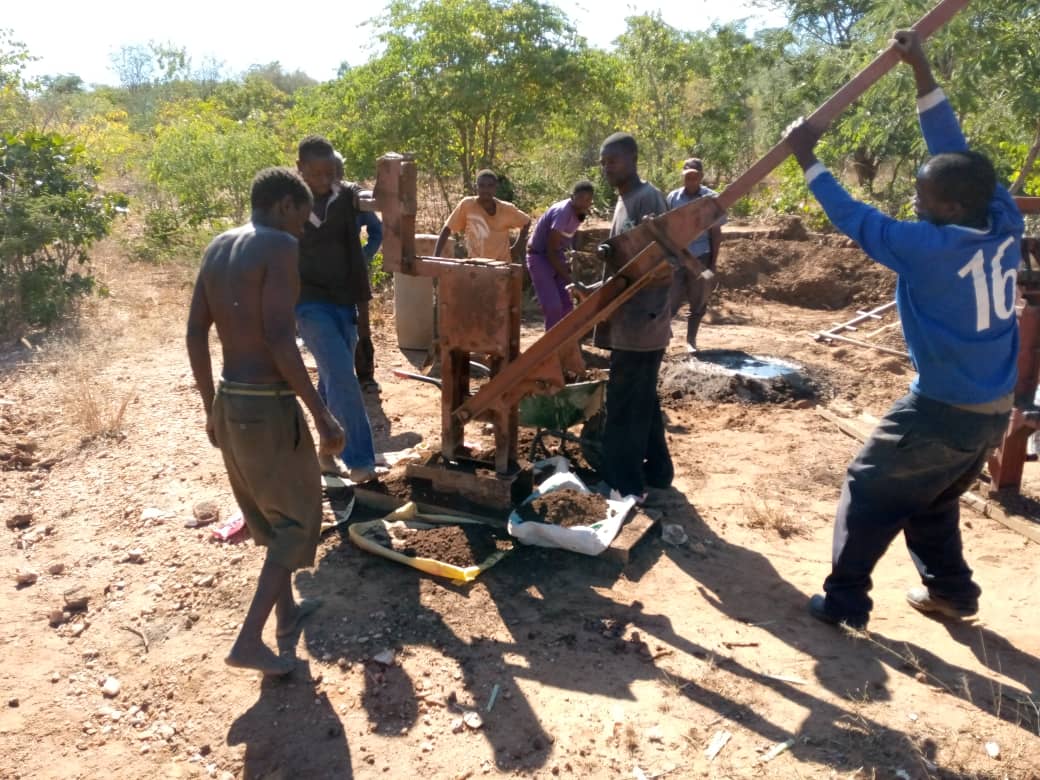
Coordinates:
547 260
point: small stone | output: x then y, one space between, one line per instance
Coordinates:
343 664
699 548
993 750
386 658
56 569
921 677
654 734
12 702
427 747
56 617
457 725
205 750
75 601
165 731
236 559
206 581
135 556
55 677
24 520
26 577
111 687
205 512
473 720
151 514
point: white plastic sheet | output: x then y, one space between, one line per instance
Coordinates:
589 539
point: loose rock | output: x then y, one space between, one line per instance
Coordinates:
386 658
204 513
135 556
19 521
56 568
26 577
473 720
111 687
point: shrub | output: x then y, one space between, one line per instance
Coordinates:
50 214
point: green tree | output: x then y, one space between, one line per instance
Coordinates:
14 103
50 214
469 77
207 160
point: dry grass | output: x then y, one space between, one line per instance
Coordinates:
761 515
93 408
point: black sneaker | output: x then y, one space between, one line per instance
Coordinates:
818 609
924 601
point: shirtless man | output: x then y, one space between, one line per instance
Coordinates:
247 287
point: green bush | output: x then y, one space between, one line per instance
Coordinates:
50 214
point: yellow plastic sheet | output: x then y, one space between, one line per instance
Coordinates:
361 535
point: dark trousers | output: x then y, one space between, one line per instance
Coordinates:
688 286
635 451
908 477
365 354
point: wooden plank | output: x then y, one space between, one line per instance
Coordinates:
1021 525
1028 204
844 425
631 533
828 336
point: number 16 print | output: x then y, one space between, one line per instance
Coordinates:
1003 298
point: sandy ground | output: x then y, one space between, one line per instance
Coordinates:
600 671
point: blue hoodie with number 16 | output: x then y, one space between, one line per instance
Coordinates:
956 290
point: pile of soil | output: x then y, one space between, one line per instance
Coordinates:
812 274
565 507
459 545
683 377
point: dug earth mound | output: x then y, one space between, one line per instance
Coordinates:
734 375
566 507
459 545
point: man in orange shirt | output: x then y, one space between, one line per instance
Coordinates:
485 222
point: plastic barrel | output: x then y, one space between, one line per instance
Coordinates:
413 300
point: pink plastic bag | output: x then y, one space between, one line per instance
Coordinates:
233 526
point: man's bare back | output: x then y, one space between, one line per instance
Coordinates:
233 273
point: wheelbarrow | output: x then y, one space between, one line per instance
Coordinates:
553 415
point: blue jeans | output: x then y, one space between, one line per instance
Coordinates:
330 333
908 478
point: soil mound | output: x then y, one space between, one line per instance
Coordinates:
811 274
459 545
687 377
565 507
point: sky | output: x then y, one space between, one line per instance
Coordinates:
79 37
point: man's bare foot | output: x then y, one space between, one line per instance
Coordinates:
288 624
259 657
330 464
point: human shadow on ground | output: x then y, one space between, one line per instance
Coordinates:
744 585
383 435
292 731
564 630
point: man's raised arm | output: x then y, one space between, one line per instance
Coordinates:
939 126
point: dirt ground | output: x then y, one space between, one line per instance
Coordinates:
576 667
